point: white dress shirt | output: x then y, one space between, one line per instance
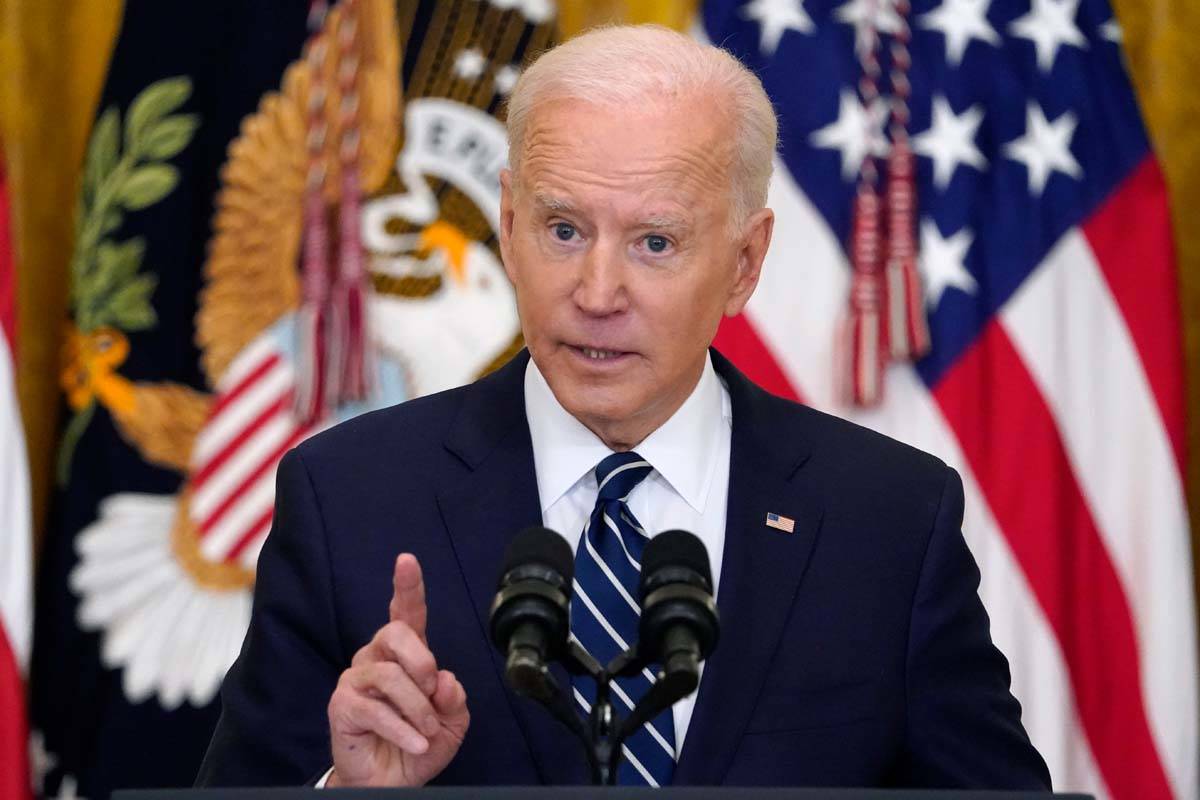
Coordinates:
687 488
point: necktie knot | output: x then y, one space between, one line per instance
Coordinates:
618 474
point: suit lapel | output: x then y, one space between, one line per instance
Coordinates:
760 574
496 500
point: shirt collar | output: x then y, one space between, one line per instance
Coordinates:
682 450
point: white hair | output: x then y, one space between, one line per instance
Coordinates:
621 64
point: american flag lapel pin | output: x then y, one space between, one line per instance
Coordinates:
781 523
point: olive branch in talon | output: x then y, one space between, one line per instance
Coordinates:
124 171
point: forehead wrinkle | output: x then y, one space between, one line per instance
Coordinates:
548 173
557 149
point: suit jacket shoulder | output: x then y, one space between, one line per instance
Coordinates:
841 465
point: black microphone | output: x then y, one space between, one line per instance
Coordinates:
679 625
529 617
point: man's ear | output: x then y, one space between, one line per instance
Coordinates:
752 249
506 220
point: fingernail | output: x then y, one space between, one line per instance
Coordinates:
418 744
431 725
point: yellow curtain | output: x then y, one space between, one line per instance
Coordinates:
577 15
53 56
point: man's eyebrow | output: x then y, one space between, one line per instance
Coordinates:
551 203
654 221
664 222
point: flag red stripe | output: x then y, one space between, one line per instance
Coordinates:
206 471
1130 236
991 402
228 398
248 483
249 536
14 731
740 343
14 735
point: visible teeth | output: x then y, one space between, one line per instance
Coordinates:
599 354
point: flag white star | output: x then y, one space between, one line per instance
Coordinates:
1111 31
950 141
774 18
942 262
1049 25
960 21
469 64
506 78
863 13
856 132
1045 147
41 761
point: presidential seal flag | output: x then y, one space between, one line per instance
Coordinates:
997 147
285 219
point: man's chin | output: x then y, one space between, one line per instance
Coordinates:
600 408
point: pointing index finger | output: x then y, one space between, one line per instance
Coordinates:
408 594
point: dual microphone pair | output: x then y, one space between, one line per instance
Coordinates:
678 628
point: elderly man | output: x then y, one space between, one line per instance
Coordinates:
855 650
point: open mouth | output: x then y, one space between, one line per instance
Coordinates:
598 355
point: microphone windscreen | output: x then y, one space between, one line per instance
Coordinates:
543 546
676 549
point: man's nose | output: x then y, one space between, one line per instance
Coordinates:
601 288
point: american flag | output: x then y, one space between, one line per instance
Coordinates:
1055 379
785 524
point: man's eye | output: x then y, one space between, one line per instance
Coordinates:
564 231
656 243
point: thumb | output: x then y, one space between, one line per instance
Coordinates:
408 594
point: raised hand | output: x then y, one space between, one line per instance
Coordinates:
395 719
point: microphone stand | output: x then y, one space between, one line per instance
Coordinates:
605 731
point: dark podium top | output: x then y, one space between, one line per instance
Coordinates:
586 793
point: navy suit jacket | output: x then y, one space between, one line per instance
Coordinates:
854 651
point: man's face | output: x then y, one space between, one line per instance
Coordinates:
617 237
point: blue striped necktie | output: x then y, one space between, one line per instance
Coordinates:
605 613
